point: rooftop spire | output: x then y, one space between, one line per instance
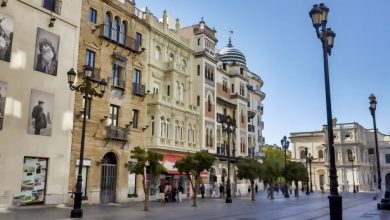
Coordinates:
230 31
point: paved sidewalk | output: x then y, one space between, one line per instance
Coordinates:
314 206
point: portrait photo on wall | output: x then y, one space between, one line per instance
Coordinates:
40 116
46 52
6 34
3 90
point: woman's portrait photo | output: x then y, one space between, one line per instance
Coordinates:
40 114
46 52
6 34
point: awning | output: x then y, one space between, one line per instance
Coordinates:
169 164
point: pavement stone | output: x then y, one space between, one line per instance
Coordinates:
312 207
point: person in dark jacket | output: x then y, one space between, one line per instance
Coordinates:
202 190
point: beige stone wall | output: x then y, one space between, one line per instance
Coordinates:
96 143
15 144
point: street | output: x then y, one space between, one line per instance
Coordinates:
314 206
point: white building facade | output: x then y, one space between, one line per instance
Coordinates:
349 139
39 45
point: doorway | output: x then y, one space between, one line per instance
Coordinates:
108 179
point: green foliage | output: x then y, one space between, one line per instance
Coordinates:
192 165
249 169
142 157
295 171
195 163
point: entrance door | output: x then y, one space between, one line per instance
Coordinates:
108 179
387 181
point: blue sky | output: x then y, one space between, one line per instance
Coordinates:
281 46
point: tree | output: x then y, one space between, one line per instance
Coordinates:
146 160
192 165
249 169
295 171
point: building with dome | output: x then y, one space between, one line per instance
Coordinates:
226 87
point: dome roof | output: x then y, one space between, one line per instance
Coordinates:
231 54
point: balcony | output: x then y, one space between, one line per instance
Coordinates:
95 74
260 108
138 89
121 39
118 83
116 133
251 128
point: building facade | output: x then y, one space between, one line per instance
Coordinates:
39 45
113 42
172 111
354 156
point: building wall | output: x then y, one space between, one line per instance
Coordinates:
98 141
347 137
21 78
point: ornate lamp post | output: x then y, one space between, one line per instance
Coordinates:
228 125
307 183
352 159
285 143
319 16
85 88
310 160
385 202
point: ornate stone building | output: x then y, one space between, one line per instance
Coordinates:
114 41
39 41
349 138
172 109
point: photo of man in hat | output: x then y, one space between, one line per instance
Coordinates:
39 118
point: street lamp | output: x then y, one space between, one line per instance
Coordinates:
310 159
285 144
307 182
319 16
352 159
385 202
86 89
228 125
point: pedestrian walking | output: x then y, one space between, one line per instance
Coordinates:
249 190
162 189
221 190
256 188
202 190
181 191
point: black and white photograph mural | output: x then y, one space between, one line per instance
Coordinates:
3 90
46 52
6 34
41 113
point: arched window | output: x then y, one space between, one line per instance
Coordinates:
189 133
152 120
211 138
198 100
198 41
177 130
302 154
115 29
242 116
178 92
182 92
207 137
171 57
167 128
122 35
184 65
107 25
182 131
321 154
157 53
209 103
198 69
163 127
